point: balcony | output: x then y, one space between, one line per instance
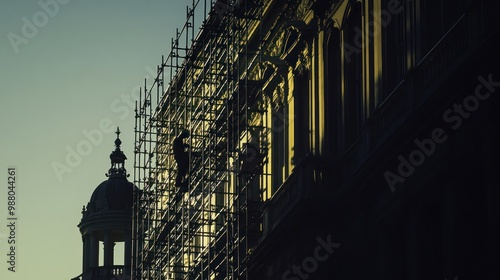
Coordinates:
304 187
105 273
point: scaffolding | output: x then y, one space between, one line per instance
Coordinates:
208 229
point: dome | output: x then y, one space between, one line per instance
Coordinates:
116 193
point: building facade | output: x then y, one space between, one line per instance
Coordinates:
327 140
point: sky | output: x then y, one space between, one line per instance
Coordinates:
69 75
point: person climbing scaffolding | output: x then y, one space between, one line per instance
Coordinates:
181 156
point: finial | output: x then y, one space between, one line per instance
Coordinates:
117 158
118 142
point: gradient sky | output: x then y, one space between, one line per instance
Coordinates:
78 69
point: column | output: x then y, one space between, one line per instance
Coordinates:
93 258
86 252
108 249
84 256
128 251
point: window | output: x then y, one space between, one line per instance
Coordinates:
353 49
394 48
437 17
333 89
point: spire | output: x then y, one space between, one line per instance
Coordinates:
117 158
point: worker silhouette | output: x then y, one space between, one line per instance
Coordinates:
181 156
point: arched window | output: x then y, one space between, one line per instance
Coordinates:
394 24
333 90
437 17
301 125
353 92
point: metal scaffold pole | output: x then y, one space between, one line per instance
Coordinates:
202 224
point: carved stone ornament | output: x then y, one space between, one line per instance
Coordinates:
303 8
275 46
304 61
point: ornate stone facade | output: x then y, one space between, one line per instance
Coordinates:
346 139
